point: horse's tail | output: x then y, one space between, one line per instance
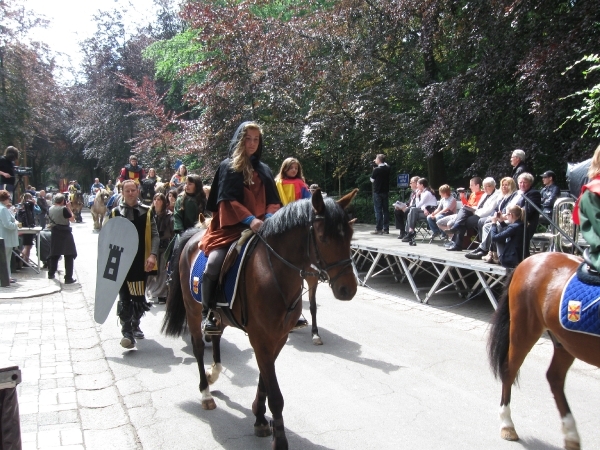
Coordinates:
499 340
174 321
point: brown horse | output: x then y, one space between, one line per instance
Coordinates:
530 306
77 202
307 238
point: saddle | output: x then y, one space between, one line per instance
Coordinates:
586 272
233 253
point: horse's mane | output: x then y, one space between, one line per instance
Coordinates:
300 214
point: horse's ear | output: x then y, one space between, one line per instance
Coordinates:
346 199
318 203
352 221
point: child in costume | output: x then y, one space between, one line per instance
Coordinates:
290 182
587 210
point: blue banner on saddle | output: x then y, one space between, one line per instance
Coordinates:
580 306
230 281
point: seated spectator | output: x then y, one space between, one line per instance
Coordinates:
531 216
426 203
508 196
446 207
401 210
508 236
468 217
550 192
475 186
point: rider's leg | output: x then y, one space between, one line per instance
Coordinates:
210 281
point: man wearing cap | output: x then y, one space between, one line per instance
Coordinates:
550 193
132 171
517 161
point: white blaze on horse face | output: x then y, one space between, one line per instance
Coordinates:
505 419
569 428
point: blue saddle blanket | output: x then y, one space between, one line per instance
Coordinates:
230 281
580 306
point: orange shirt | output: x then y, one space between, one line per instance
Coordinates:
473 200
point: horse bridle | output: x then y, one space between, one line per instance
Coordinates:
321 272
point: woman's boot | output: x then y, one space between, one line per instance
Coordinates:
209 324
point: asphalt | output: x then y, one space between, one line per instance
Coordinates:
392 373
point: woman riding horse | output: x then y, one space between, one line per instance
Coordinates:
242 195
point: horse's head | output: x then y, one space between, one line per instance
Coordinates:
332 233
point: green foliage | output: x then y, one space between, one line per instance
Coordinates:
589 112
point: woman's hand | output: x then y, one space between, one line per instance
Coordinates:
255 224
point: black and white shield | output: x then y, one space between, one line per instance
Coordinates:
117 247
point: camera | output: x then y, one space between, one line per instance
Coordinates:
24 171
499 214
459 190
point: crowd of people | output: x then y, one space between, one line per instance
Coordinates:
503 220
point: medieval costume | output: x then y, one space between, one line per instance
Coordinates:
132 299
292 189
132 172
585 215
235 204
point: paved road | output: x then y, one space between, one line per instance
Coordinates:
391 374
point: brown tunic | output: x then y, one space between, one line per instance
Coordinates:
226 227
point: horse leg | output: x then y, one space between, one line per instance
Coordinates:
557 372
266 365
518 350
212 374
312 298
259 407
198 345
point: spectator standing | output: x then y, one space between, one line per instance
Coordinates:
43 205
171 199
26 215
132 299
290 182
517 161
7 169
9 228
156 286
380 177
180 176
550 192
132 171
148 187
61 241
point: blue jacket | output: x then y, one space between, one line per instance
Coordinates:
511 237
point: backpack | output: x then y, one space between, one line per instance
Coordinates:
25 215
148 189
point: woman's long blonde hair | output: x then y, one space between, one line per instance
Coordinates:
594 169
240 162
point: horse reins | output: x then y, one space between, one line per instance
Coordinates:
321 272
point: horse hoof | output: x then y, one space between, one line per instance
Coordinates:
262 430
208 404
572 445
317 340
509 434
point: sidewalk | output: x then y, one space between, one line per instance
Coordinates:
30 284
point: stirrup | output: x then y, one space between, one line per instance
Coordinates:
210 327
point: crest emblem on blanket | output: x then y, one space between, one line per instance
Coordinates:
580 307
196 284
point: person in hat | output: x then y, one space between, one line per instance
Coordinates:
550 192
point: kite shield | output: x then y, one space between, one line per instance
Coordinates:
117 247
